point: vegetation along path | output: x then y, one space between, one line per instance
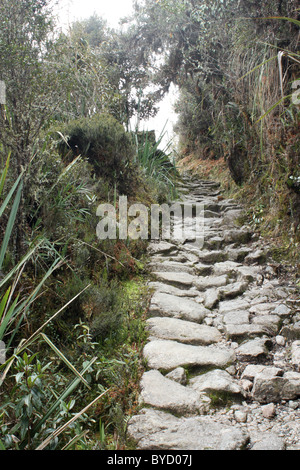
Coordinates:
223 359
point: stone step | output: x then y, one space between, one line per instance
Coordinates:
167 355
167 305
157 430
165 394
183 331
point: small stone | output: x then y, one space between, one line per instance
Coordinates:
254 349
211 298
204 283
246 385
280 340
231 370
165 394
241 416
296 354
216 381
178 375
294 405
269 411
282 310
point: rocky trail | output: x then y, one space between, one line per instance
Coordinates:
223 357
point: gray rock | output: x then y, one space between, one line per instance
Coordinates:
215 256
161 247
211 298
180 280
248 273
156 430
165 394
240 331
237 236
269 442
168 355
270 322
167 289
234 290
228 306
227 267
269 411
296 354
252 350
253 370
204 283
291 332
183 331
238 254
171 266
231 216
239 317
258 256
178 375
241 416
262 309
268 386
282 310
203 269
166 305
216 381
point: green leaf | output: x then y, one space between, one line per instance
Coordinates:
10 224
273 107
4 174
291 20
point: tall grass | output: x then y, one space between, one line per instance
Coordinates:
26 400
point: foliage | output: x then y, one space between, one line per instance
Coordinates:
103 140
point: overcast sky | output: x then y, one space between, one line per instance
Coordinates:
113 11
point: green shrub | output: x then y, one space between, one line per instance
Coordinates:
104 141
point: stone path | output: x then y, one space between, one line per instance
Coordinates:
223 354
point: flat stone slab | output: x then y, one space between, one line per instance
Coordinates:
254 349
161 247
228 306
180 280
234 290
269 441
226 267
236 331
165 394
270 322
216 381
215 256
183 331
167 355
157 430
171 290
171 266
240 317
204 283
166 305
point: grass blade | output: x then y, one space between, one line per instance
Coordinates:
65 426
10 224
64 359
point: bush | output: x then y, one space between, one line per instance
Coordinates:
104 141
